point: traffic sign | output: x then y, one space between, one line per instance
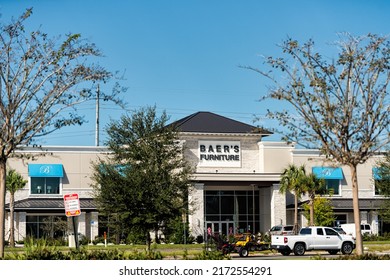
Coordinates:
72 205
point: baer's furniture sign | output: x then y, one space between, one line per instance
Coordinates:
219 153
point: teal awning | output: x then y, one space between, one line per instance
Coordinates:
45 170
328 172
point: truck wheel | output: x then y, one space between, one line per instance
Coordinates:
285 252
347 248
333 252
244 252
299 249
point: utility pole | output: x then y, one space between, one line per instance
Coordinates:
97 116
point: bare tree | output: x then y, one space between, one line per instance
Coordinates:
41 82
340 106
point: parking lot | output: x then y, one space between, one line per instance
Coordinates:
273 255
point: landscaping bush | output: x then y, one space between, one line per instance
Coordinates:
211 255
42 252
355 257
174 232
136 237
373 237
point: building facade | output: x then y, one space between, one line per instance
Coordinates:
235 183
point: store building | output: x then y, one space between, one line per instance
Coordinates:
52 172
235 185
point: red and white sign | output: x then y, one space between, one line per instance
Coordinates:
72 205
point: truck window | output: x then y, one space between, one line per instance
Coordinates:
365 227
276 228
319 231
305 231
330 231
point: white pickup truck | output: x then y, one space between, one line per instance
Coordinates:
313 238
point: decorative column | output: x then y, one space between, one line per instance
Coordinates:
374 222
278 206
196 209
21 226
82 224
94 230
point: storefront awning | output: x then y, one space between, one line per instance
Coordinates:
45 170
328 172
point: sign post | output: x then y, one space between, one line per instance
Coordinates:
72 209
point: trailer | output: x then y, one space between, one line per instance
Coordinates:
242 244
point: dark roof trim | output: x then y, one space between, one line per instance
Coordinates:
364 203
33 204
347 203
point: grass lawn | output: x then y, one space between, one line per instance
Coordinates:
376 246
179 251
167 250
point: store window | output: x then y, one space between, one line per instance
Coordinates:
54 227
41 185
332 177
238 211
332 186
45 179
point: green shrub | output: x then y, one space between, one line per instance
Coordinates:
37 249
56 242
211 255
355 257
174 232
373 237
83 254
136 237
145 255
46 253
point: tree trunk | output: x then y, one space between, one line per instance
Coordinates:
11 220
2 204
356 210
312 197
296 214
148 241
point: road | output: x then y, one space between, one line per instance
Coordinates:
278 256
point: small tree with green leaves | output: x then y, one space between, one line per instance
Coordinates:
382 182
144 182
323 211
14 182
382 185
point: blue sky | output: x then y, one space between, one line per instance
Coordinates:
184 56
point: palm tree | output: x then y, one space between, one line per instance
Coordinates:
14 182
312 185
292 181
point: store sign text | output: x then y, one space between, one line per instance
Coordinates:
219 153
